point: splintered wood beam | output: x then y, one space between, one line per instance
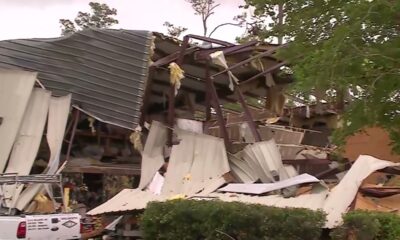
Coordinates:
247 114
171 105
217 106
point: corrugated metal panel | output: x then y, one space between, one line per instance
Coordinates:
15 89
313 201
195 162
265 160
56 124
152 156
344 193
241 169
105 70
127 200
28 140
261 188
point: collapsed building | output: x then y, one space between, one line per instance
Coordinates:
159 119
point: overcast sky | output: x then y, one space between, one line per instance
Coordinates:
39 18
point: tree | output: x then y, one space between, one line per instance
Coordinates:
174 31
343 47
101 16
205 9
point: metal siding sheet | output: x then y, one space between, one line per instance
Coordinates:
241 169
57 121
127 200
196 160
261 188
152 156
105 70
344 193
314 201
15 89
28 140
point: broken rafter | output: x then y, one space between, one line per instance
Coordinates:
172 57
204 54
210 40
263 54
171 105
277 66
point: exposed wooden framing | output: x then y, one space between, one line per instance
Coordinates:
204 54
247 114
263 54
210 40
220 117
172 57
71 138
171 105
208 95
268 70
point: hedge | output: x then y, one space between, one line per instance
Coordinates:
190 219
368 225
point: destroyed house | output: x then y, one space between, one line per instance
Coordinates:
136 116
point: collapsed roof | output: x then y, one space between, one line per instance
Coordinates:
107 70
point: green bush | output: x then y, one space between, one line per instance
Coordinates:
189 219
366 225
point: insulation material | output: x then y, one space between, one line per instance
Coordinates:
261 188
176 75
15 90
196 160
152 156
344 193
28 140
136 140
219 59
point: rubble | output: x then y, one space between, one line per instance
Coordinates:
134 134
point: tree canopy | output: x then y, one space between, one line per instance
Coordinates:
101 16
340 48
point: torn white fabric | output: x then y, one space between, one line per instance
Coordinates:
261 188
15 90
27 142
219 59
343 194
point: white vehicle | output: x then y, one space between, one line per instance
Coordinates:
45 227
60 226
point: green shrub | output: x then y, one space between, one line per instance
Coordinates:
189 219
366 225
